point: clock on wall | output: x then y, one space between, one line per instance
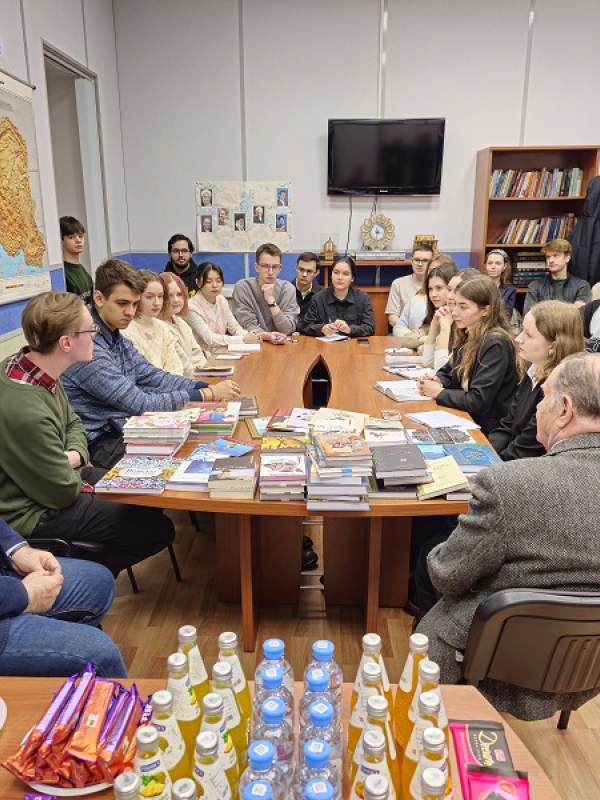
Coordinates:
377 232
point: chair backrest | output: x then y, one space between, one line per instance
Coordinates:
546 641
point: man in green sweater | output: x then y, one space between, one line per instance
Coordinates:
45 488
77 279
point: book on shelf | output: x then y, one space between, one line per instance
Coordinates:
137 475
537 183
402 391
537 231
447 477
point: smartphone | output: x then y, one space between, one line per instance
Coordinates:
362 340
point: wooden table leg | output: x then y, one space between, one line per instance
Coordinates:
247 584
374 573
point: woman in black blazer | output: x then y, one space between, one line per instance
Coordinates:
552 330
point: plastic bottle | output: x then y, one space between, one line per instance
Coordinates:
170 739
377 787
323 656
378 718
371 644
429 681
188 645
127 786
228 643
209 775
274 728
317 688
429 710
370 686
213 719
258 790
274 656
184 789
322 726
316 765
261 767
222 684
318 790
433 784
272 686
185 706
373 761
149 765
418 645
434 753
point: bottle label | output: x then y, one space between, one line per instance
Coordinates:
237 673
231 712
155 779
185 707
212 781
415 743
405 682
359 712
196 668
170 740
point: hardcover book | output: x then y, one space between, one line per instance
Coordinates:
396 460
348 446
284 444
447 477
290 468
472 458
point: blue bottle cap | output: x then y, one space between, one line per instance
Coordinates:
261 754
272 677
258 790
320 713
318 789
316 753
317 679
323 650
273 649
273 710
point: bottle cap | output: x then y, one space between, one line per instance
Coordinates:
187 633
317 753
212 704
222 671
429 703
377 706
272 677
146 738
184 789
228 641
371 672
162 701
320 713
377 787
258 790
177 662
273 710
429 671
261 754
418 643
273 649
371 643
374 743
318 789
434 740
317 679
433 781
127 786
207 743
323 650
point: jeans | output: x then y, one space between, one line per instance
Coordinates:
57 644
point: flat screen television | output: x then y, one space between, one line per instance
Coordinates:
385 156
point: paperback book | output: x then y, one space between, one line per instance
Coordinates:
138 475
447 477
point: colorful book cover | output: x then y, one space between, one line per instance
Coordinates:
232 447
473 455
138 475
357 420
283 468
191 473
341 444
284 444
258 426
279 420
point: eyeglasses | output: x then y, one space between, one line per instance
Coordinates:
421 261
180 252
93 331
270 267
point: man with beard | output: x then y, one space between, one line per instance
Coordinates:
181 262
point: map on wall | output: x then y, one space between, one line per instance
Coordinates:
237 216
23 263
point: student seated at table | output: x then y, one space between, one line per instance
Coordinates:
413 326
340 308
402 289
174 311
483 371
552 330
559 284
49 612
209 315
498 268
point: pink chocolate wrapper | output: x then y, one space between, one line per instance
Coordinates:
496 784
479 742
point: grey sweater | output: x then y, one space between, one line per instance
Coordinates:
251 310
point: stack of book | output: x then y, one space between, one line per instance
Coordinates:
529 266
537 231
233 478
138 475
214 420
160 434
332 419
398 469
248 407
384 432
340 468
282 468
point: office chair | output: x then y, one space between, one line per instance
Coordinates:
545 641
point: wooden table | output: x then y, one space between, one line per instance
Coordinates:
27 698
367 553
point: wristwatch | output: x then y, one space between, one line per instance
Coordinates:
271 305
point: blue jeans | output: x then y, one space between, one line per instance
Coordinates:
56 644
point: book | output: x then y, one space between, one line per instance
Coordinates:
375 423
283 444
243 347
232 447
403 391
233 475
319 505
137 475
443 419
280 420
472 458
215 372
384 437
301 418
248 407
191 475
153 447
283 469
257 426
447 477
377 489
335 447
398 460
411 372
463 494
356 420
439 436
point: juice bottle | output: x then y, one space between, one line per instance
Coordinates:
377 787
378 717
429 711
434 753
222 684
209 775
127 786
149 765
371 643
170 740
429 681
228 643
184 789
213 719
188 645
370 686
373 761
418 645
274 656
433 784
185 705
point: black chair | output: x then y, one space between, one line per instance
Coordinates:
545 641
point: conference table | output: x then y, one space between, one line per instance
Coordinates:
27 699
259 544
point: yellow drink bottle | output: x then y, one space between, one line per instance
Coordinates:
213 719
188 644
434 754
373 761
170 739
429 711
185 705
184 789
433 784
149 765
209 775
377 787
228 643
378 718
222 684
370 686
127 786
429 681
417 644
371 643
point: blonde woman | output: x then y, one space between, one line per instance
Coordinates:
174 311
415 320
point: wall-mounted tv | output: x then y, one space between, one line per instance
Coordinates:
385 156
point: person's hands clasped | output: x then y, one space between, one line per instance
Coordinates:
225 390
252 338
42 591
27 559
429 386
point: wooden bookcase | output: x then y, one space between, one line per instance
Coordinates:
492 215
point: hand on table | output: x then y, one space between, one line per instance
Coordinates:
252 338
225 390
430 386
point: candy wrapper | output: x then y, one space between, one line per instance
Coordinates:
118 753
496 784
480 743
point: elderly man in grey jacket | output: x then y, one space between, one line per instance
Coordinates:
532 523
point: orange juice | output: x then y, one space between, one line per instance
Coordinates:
429 711
370 686
418 644
429 681
222 683
185 705
213 719
170 739
378 718
371 643
434 754
373 761
228 653
188 644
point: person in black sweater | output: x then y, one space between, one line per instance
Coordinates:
484 368
552 330
498 268
181 262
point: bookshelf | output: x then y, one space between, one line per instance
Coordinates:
493 215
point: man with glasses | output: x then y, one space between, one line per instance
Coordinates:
266 304
181 263
305 282
402 289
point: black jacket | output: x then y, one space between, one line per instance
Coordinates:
188 277
585 237
304 302
492 382
587 312
355 309
515 437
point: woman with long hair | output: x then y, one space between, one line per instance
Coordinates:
499 269
174 311
484 368
552 330
415 320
